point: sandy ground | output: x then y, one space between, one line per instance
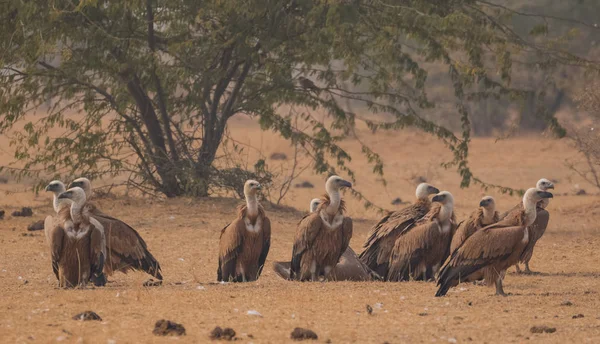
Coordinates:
183 235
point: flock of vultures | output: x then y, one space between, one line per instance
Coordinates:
420 242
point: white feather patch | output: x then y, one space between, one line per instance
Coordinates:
335 224
525 236
254 228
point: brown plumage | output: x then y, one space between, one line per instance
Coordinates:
349 268
420 251
77 247
322 236
536 231
243 251
382 237
471 225
493 249
126 250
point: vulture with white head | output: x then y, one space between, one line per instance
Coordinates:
323 236
57 187
421 250
485 215
382 237
349 268
62 207
126 250
244 243
77 245
493 249
538 228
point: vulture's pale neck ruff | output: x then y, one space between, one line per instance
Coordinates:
530 206
77 217
252 213
445 216
488 214
330 215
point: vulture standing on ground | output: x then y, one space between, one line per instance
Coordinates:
323 236
245 243
77 247
62 207
420 251
493 249
382 237
538 228
349 268
485 215
126 250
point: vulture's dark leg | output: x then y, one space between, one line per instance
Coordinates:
518 268
499 289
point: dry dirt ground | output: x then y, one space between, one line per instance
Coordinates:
183 235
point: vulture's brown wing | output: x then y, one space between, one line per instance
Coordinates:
54 235
466 229
307 231
266 232
346 235
230 245
485 247
536 230
409 250
125 246
97 253
514 209
381 239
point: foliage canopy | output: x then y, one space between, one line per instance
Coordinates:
159 80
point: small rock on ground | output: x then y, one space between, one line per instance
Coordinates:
542 329
36 226
303 334
24 212
168 328
87 315
222 334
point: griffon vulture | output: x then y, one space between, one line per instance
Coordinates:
323 236
245 243
62 207
420 251
485 215
77 247
349 268
382 237
538 228
493 249
125 247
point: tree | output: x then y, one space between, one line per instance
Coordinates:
158 80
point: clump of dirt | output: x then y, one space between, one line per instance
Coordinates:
36 226
222 334
578 316
152 283
168 328
2 212
542 329
566 303
369 309
86 316
24 212
303 334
